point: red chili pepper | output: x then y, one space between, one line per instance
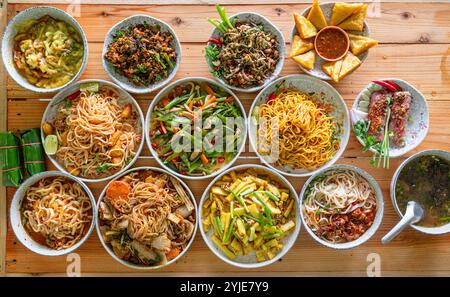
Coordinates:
220 159
216 41
74 95
152 132
183 172
395 85
154 146
213 141
385 84
175 159
271 98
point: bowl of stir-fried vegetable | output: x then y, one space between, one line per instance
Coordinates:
245 52
141 54
250 216
196 128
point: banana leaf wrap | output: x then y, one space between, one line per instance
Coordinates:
33 152
10 160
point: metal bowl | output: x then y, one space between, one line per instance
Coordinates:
268 26
123 81
162 94
11 31
16 215
109 249
250 261
378 216
428 230
51 111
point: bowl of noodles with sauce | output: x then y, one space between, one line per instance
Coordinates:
52 213
341 206
93 130
298 125
147 218
44 49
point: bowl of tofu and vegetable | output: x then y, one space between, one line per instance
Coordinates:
389 118
249 216
147 218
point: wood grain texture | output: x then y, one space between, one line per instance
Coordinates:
396 23
416 47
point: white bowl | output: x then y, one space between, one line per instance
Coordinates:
428 230
162 94
8 43
109 249
306 84
250 261
16 215
268 26
123 81
51 110
317 71
378 216
416 129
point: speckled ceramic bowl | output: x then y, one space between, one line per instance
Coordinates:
416 127
123 81
51 111
16 215
378 216
250 261
305 84
108 247
327 9
8 43
268 26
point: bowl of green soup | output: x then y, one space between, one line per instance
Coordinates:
425 178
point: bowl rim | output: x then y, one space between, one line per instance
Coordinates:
18 228
376 222
60 167
294 30
343 143
160 95
293 236
427 230
109 250
427 112
9 66
129 86
280 64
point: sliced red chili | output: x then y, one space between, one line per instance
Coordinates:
216 41
271 98
184 172
154 146
74 95
220 159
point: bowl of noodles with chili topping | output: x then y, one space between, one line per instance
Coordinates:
298 125
93 130
52 213
147 218
341 206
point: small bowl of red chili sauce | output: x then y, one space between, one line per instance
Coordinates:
332 43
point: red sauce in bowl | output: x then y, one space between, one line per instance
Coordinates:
332 43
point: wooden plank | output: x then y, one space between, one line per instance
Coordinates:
390 60
3 127
396 23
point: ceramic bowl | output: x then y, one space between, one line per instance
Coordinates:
10 32
123 81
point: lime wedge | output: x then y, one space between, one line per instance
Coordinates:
91 87
51 144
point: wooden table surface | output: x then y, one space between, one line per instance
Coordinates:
414 46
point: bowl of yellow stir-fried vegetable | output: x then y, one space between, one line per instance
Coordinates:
249 216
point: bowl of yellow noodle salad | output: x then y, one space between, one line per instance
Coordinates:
298 125
93 130
44 49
